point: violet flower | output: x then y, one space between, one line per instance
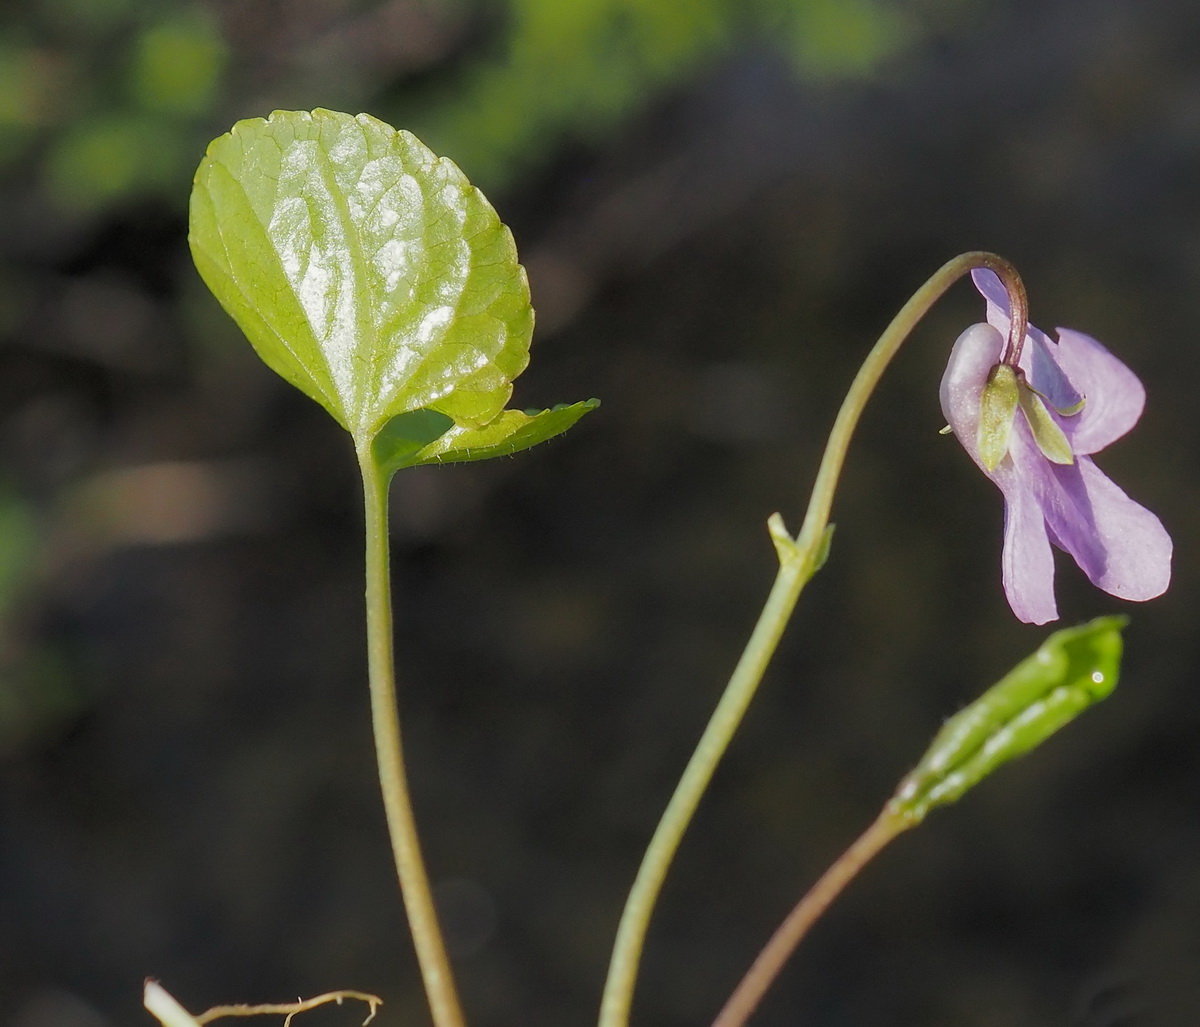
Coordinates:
1032 430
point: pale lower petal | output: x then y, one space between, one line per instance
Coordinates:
992 290
1113 395
1120 545
1051 381
1028 561
974 354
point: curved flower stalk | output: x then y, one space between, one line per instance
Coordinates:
1031 419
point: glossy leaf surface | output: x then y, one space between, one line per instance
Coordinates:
365 270
1070 671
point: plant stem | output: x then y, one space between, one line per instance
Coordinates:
631 934
799 559
385 720
918 305
777 951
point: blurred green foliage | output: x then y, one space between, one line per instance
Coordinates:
37 689
114 99
177 65
573 70
109 100
18 541
110 157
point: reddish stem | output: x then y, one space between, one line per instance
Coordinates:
779 949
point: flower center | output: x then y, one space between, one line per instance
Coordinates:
1007 391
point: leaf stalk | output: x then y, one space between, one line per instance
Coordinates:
435 967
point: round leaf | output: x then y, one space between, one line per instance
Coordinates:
365 270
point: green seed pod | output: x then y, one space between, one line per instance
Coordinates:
1072 669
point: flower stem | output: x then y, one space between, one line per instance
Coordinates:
799 560
385 719
918 305
631 933
777 951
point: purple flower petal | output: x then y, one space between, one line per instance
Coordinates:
1120 545
1049 379
992 289
1114 397
1077 366
1027 562
975 353
999 311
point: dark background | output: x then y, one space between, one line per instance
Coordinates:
720 205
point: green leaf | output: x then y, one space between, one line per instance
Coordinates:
400 441
1072 669
398 444
365 270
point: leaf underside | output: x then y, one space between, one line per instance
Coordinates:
425 437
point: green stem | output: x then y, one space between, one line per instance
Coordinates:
832 883
918 305
631 934
799 560
385 720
